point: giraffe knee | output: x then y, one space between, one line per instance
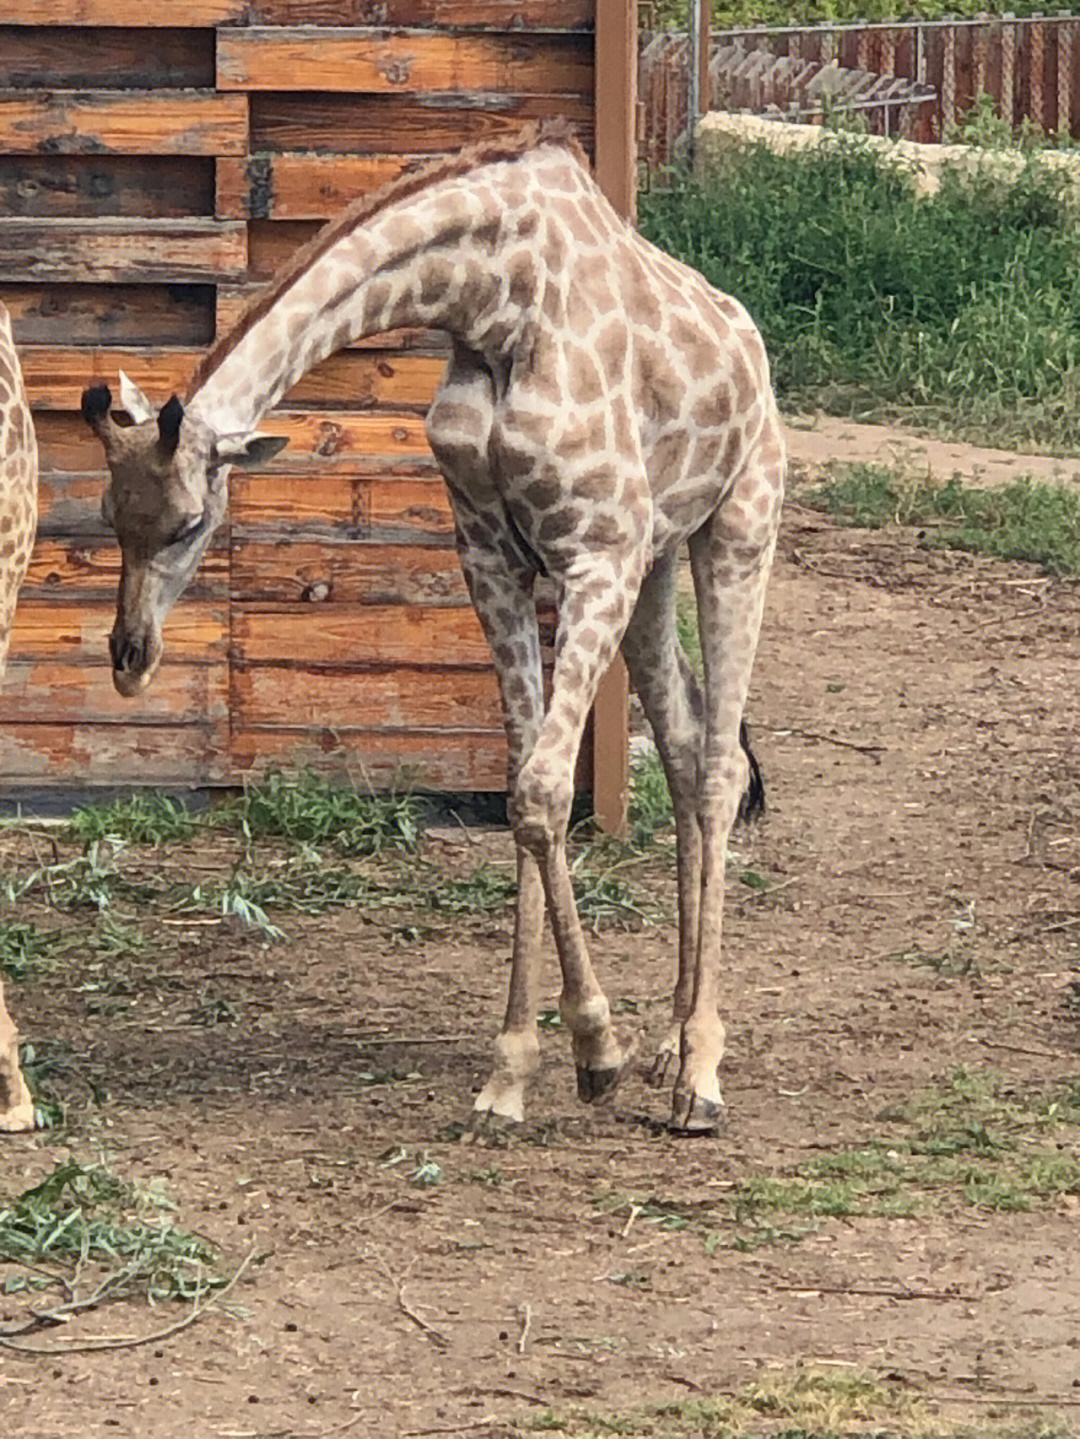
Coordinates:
540 809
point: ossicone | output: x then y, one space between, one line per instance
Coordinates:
169 417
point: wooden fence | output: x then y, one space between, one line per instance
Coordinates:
158 159
1028 66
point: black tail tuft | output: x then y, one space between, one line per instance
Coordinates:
752 804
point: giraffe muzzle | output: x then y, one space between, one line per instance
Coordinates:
134 661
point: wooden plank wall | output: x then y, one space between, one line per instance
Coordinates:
158 160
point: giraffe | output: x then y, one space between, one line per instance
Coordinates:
602 407
18 518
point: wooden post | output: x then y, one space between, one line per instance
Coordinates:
616 172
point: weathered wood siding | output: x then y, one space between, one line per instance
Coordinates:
157 159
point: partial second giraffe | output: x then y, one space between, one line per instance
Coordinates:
603 409
18 520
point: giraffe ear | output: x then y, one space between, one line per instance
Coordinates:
134 401
248 452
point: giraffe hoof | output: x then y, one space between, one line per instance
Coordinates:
594 1084
17 1120
485 1127
693 1114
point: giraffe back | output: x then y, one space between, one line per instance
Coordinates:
18 481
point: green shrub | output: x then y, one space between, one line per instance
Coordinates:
962 308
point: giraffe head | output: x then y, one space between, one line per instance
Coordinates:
166 495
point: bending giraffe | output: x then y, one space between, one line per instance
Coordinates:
18 519
603 407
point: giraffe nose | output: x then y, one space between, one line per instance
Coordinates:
126 653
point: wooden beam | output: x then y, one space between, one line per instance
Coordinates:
147 122
136 251
379 62
616 172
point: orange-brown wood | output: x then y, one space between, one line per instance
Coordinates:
63 567
406 507
178 122
80 755
355 637
392 697
136 13
60 627
463 760
299 187
498 14
616 171
367 61
98 251
404 124
56 376
320 574
49 691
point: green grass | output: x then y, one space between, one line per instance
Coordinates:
960 311
971 1140
27 949
1025 520
84 1226
798 1403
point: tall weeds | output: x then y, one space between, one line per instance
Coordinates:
961 309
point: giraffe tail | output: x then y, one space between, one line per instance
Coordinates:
752 804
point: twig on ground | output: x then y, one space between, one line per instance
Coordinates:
526 1320
437 1337
870 749
104 1341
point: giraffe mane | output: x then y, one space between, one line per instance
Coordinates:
416 178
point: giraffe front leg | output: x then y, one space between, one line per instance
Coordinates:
16 1103
594 608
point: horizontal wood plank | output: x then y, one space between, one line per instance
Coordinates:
368 61
404 124
58 57
164 122
355 637
339 438
158 14
197 632
461 762
272 186
404 509
62 566
92 186
387 699
304 571
81 755
54 691
56 376
121 251
112 315
496 14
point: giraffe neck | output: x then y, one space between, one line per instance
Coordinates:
431 260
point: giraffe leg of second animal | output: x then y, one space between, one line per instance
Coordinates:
16 1104
730 558
671 698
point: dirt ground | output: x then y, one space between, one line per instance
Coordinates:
916 716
